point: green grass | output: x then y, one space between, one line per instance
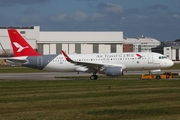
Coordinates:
87 100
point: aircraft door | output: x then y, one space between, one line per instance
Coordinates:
40 61
150 58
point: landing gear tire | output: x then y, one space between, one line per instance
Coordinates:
93 77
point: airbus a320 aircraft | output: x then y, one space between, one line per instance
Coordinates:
111 64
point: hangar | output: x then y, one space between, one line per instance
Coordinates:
52 42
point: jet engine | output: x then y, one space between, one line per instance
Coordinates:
114 71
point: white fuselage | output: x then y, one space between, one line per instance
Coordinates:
128 61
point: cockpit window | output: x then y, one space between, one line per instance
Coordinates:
162 57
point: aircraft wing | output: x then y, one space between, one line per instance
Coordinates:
91 65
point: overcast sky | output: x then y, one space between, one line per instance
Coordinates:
159 19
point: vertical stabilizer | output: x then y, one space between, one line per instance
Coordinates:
20 46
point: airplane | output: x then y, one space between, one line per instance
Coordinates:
110 64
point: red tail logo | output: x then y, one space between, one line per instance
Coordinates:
139 56
20 46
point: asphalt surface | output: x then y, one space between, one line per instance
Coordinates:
52 75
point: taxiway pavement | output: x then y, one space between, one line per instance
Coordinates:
52 75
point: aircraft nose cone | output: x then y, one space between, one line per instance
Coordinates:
170 63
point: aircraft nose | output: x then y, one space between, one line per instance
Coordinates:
170 63
167 63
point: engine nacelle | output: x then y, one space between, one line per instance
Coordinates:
114 71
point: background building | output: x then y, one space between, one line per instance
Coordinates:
128 47
80 42
48 42
141 44
171 49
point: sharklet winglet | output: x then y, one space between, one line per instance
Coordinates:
66 56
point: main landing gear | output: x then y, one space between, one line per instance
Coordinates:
93 77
